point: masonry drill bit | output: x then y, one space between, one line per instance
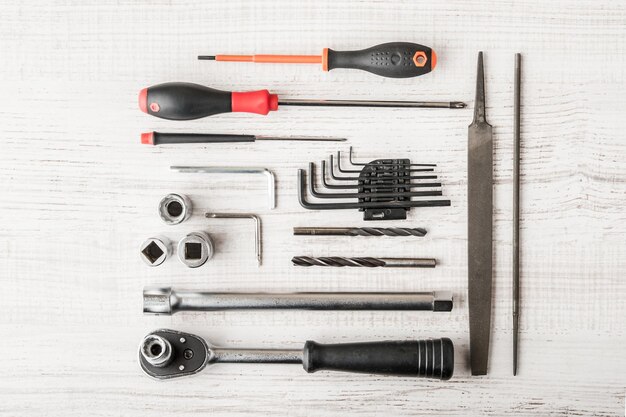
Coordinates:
366 262
359 231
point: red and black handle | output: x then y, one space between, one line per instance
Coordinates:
187 101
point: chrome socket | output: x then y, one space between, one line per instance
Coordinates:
175 208
195 249
156 350
155 250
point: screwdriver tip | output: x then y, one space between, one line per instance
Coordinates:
206 57
457 105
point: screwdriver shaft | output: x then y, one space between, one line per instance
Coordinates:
366 262
358 231
373 103
301 138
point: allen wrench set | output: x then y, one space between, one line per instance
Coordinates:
383 187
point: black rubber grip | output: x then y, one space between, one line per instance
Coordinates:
424 358
394 59
186 101
169 138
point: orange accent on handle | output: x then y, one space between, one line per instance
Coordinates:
420 59
433 60
272 59
325 59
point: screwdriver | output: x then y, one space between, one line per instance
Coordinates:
393 60
160 138
187 101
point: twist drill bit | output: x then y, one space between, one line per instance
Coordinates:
359 231
366 262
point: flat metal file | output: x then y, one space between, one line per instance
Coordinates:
479 233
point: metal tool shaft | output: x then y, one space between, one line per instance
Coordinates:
479 234
225 355
359 231
269 175
516 209
366 262
258 241
301 138
168 301
373 103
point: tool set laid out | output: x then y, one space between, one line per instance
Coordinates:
383 189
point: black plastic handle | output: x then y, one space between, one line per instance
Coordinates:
423 358
184 101
160 138
394 59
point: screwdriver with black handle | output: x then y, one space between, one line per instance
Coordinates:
188 101
393 59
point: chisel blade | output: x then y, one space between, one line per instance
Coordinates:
479 219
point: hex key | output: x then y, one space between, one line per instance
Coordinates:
359 205
385 180
372 194
373 184
362 164
388 174
269 175
385 167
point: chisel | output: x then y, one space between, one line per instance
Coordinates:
187 101
479 235
392 60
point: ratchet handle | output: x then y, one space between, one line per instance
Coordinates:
393 60
187 101
160 138
423 358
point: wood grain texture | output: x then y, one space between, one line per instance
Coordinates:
79 194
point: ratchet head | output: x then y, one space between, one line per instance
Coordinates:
166 354
159 300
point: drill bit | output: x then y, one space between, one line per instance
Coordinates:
359 231
366 262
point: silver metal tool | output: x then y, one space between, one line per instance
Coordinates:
167 300
155 250
479 235
373 103
269 175
359 231
516 211
166 354
195 249
175 208
258 242
366 262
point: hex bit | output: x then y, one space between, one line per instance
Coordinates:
359 231
365 262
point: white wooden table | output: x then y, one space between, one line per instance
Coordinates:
79 194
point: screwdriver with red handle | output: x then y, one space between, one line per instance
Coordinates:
393 59
187 101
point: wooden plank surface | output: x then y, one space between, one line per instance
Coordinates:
79 194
